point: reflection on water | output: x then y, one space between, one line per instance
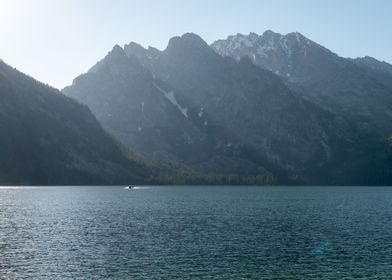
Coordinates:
17 188
195 233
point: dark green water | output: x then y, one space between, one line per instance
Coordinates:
196 233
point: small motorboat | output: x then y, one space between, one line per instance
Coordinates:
130 187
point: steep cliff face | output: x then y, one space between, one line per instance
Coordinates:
47 138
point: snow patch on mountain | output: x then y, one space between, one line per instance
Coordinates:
201 112
172 99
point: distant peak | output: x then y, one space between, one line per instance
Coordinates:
193 40
188 39
117 52
292 35
270 33
192 37
134 45
134 49
117 48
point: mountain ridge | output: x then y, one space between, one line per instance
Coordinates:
272 104
202 84
258 109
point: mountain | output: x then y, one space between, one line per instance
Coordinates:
47 138
277 107
190 106
335 83
269 109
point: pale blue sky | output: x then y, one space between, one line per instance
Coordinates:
56 40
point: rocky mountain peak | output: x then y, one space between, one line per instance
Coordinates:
134 50
115 57
117 53
134 46
188 41
269 40
194 39
117 49
268 34
272 51
189 105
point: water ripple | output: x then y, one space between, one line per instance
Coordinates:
195 233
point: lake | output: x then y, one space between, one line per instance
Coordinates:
196 233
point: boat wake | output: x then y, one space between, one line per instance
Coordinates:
136 188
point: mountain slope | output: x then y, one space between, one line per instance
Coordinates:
333 82
47 138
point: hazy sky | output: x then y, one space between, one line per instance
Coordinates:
56 40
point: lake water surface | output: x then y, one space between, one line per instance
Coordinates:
196 233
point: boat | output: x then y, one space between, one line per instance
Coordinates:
130 187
